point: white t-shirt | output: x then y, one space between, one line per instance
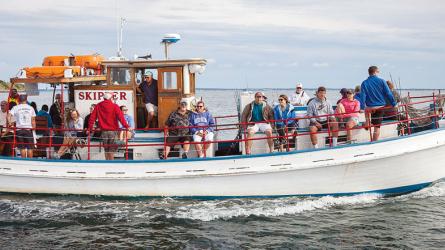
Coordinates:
3 118
23 114
299 99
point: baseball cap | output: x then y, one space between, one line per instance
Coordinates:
108 96
321 88
299 85
22 98
148 73
262 94
343 90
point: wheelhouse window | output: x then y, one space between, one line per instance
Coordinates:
120 76
170 80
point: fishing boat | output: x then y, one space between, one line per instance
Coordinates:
409 156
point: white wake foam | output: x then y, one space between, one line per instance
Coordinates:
213 210
436 190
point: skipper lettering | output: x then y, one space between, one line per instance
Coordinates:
97 96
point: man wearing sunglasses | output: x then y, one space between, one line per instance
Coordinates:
319 110
256 115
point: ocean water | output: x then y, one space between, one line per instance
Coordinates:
415 220
410 221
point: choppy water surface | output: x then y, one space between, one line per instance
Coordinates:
415 220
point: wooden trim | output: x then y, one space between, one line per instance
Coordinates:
179 79
103 87
192 84
108 77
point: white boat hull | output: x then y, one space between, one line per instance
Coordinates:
392 166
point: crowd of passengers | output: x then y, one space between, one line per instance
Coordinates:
375 96
197 126
106 119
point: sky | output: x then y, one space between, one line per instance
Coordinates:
248 43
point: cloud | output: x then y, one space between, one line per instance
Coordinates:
286 35
293 65
320 64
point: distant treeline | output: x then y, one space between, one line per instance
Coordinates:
4 86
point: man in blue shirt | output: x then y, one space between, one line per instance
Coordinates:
149 89
44 113
374 95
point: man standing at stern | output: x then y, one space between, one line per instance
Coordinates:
375 94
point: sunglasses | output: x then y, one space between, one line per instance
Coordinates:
200 106
281 99
299 87
258 96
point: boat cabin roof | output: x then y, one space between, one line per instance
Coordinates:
154 63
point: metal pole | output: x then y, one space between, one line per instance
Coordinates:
434 108
89 143
329 133
165 141
166 50
126 144
407 115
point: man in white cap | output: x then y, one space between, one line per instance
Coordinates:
300 97
149 89
108 114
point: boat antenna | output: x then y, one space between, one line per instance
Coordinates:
168 40
120 32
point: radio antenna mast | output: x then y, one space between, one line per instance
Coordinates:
120 35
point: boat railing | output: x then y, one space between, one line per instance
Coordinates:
405 122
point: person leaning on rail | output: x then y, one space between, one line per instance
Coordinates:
259 113
375 95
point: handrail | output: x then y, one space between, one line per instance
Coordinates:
238 126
